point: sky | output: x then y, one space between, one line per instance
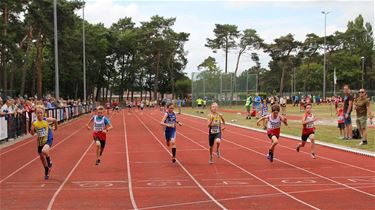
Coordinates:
271 19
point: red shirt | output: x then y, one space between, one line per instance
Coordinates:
340 116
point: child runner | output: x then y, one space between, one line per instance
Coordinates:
115 106
214 124
273 128
308 130
341 120
101 126
108 107
169 122
264 113
45 137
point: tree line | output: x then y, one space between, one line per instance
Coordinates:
301 61
150 57
145 57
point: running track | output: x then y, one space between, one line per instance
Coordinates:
136 171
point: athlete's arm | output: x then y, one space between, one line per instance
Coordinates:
223 121
284 120
261 119
163 121
88 124
52 120
32 130
209 120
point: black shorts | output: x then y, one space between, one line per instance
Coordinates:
49 142
199 105
304 137
115 108
102 142
270 136
212 137
341 125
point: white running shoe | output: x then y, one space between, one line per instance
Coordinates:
211 160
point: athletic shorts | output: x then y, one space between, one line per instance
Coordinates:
169 135
348 120
199 105
270 136
341 125
102 142
212 137
304 137
49 142
361 122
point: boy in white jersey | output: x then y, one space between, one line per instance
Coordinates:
101 126
216 124
273 128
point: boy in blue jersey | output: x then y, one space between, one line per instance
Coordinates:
45 138
169 122
101 126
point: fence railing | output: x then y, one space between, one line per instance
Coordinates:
14 125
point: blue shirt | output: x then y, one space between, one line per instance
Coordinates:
171 119
257 100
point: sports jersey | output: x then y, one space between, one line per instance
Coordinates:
215 125
171 119
273 125
308 127
43 131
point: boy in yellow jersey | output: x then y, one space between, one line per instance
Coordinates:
216 124
45 137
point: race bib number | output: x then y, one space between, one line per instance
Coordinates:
310 125
42 132
215 130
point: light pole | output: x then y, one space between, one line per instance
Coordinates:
84 52
363 69
57 91
325 13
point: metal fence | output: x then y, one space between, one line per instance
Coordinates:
225 88
14 125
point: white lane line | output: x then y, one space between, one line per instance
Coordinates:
50 204
286 147
183 168
251 174
30 139
53 147
294 166
130 185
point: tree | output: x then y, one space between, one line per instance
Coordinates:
281 52
225 39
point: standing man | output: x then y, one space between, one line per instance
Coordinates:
348 106
248 103
362 107
179 103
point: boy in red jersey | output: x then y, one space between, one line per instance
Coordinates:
308 130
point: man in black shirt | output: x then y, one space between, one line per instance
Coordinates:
348 105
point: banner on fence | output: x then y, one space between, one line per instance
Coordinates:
3 128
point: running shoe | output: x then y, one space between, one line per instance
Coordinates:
270 157
218 153
313 155
46 177
363 143
297 148
97 162
211 160
173 159
50 164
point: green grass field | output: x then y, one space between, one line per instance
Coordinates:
324 133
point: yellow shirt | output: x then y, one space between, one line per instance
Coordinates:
43 131
216 122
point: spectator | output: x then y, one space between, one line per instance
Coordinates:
257 104
362 108
283 105
348 106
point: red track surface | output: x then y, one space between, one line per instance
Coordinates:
136 171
